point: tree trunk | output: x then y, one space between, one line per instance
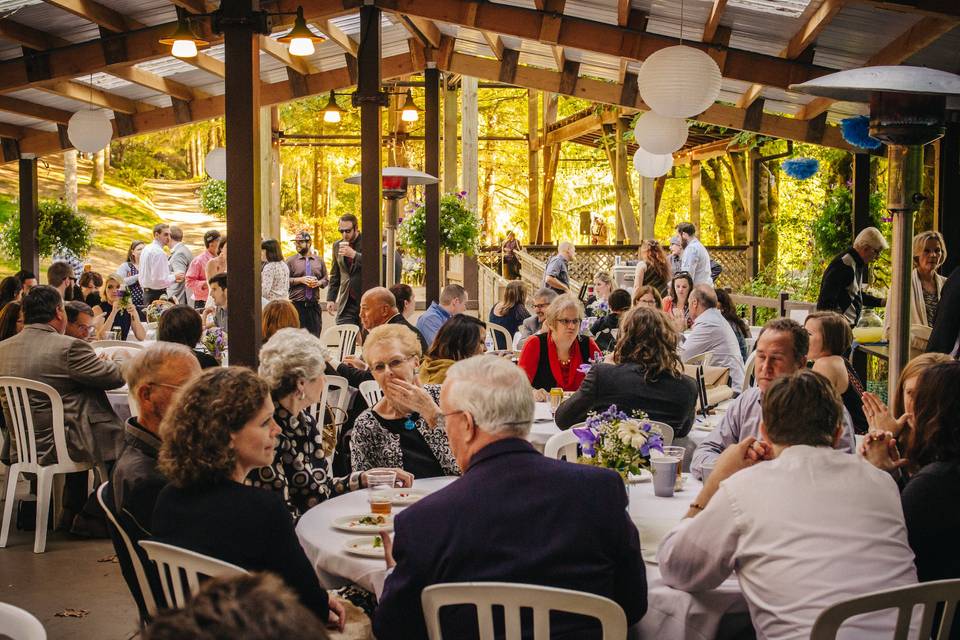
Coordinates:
70 178
299 194
315 190
713 185
96 176
658 195
487 191
769 205
736 164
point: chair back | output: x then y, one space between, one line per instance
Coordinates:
117 353
665 430
338 397
563 445
15 393
928 595
748 368
139 586
342 338
102 344
18 624
371 392
176 565
514 597
704 359
494 330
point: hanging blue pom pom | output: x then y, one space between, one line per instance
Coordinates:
801 168
856 131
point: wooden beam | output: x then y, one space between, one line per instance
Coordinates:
559 57
34 110
707 151
193 6
28 36
98 97
577 128
915 39
207 63
429 30
279 52
508 65
158 83
713 20
10 131
748 96
933 8
623 12
495 43
97 14
339 36
598 37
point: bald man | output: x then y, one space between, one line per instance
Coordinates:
556 274
379 306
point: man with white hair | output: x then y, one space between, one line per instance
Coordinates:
514 516
556 274
841 289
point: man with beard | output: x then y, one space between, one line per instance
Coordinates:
343 296
307 274
696 260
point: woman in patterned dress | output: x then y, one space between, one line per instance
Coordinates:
292 363
130 272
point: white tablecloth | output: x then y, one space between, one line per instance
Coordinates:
671 614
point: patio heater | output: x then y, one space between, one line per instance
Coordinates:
394 185
907 111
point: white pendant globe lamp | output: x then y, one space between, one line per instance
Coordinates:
679 81
659 134
651 165
215 163
89 130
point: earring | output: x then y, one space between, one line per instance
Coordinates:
302 395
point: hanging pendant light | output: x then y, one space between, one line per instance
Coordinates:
300 39
651 165
679 81
215 163
659 134
410 112
332 113
183 41
89 130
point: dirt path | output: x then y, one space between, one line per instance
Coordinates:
176 203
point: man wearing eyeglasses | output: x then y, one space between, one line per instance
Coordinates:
534 324
79 320
343 295
844 279
307 274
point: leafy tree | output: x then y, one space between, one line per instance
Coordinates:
58 228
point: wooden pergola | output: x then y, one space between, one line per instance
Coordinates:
64 54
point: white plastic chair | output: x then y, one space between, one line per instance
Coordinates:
371 392
99 345
704 359
748 368
338 396
494 330
117 353
342 338
563 445
904 599
149 598
513 598
171 561
19 624
666 430
16 394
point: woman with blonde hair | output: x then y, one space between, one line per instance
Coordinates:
929 254
553 358
401 429
276 315
111 314
652 268
511 311
645 374
603 286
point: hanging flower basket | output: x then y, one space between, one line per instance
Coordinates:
459 227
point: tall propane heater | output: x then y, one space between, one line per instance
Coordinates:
907 111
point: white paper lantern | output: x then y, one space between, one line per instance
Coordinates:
89 131
651 165
659 134
679 81
216 163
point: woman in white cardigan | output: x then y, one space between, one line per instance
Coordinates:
929 253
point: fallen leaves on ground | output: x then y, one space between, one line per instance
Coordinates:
73 613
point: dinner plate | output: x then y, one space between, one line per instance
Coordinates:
643 476
352 523
403 497
364 547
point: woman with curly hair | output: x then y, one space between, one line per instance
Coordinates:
645 374
292 363
219 429
652 268
11 320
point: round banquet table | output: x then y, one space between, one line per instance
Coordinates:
671 614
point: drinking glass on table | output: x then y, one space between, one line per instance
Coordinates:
678 453
380 490
556 397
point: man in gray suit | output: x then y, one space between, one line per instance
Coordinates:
43 353
179 261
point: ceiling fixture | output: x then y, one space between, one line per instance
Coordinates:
679 81
184 41
659 134
300 39
410 112
89 130
652 165
332 113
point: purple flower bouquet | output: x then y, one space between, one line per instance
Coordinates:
214 340
614 440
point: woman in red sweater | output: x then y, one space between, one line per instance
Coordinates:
552 359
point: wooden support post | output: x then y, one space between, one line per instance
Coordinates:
269 165
431 78
695 193
533 166
628 219
948 176
370 98
451 178
469 140
29 215
648 208
242 83
861 193
551 157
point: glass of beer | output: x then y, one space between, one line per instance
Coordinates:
380 490
556 397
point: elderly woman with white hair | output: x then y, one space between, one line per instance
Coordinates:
292 363
401 429
842 287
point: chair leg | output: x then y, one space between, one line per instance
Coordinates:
13 474
44 491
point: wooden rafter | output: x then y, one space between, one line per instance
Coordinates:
207 63
98 14
713 20
28 36
588 35
932 8
582 126
559 56
34 110
495 43
94 96
339 36
159 83
623 12
279 51
193 6
916 38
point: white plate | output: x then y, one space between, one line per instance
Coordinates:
363 547
643 476
402 497
351 524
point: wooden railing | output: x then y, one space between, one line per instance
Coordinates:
490 290
782 304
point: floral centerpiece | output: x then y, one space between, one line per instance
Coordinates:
596 358
214 340
614 440
156 309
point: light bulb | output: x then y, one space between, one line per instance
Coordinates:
409 115
184 49
301 47
331 116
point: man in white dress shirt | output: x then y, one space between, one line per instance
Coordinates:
155 275
696 260
804 526
781 350
711 332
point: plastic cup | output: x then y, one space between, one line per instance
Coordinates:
380 490
678 453
706 469
664 475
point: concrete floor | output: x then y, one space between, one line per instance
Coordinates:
68 575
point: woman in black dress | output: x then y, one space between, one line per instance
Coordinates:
117 313
830 340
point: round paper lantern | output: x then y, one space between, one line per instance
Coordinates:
679 81
651 165
89 131
216 163
659 134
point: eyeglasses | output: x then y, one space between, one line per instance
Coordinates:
442 418
164 384
542 305
380 367
570 322
343 231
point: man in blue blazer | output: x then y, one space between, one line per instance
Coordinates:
514 516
